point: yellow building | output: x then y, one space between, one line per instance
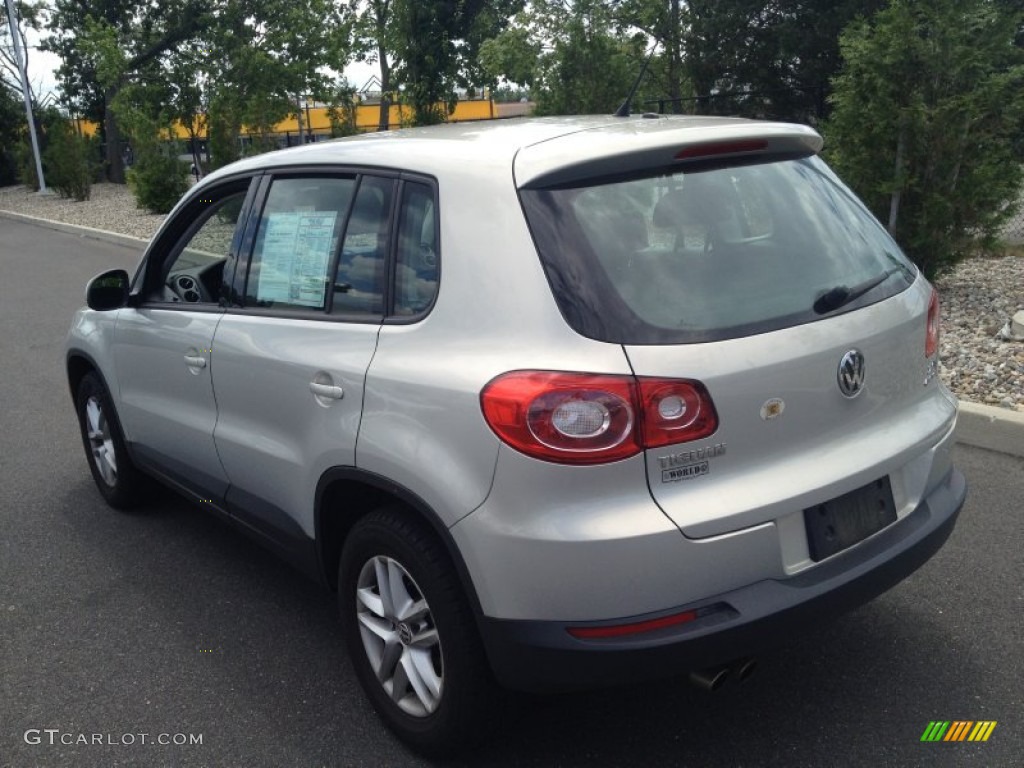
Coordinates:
315 119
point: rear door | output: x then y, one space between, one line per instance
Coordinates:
291 357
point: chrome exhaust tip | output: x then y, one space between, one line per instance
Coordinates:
744 668
709 679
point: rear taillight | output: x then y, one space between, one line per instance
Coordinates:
931 339
675 411
582 418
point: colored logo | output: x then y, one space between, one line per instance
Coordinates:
958 730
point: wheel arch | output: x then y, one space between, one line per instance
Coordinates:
78 365
346 494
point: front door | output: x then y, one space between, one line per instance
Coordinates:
163 348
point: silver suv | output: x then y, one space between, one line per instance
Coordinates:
551 403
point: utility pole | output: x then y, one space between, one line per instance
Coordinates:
12 20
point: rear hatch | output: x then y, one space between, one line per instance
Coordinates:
733 256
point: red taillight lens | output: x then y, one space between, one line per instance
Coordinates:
931 339
570 418
582 418
675 412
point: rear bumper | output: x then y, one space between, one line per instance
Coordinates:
542 656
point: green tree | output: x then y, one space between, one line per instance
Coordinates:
662 21
109 44
263 58
427 49
512 56
576 58
925 117
757 59
376 41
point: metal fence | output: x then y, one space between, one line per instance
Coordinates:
1013 232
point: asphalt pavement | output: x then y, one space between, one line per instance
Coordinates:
168 623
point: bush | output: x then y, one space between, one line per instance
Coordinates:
342 112
96 159
66 162
158 179
26 165
223 135
12 125
8 167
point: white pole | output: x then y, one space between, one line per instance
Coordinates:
16 37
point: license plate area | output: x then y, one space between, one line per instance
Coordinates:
843 521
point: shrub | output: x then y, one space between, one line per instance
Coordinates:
66 162
96 159
8 167
26 164
158 179
342 112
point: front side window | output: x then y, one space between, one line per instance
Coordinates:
704 254
297 237
194 270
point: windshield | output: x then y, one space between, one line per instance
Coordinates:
711 253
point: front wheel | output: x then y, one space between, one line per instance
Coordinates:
117 479
411 635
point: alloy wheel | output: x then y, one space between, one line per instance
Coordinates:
101 444
399 636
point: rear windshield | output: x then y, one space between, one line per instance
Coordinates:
711 253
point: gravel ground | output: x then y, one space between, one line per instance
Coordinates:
111 207
978 297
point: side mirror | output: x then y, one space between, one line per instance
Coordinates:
108 290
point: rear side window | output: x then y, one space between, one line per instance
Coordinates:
710 253
416 270
361 274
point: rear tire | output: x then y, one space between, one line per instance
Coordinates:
118 480
411 635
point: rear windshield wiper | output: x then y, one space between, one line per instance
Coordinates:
841 295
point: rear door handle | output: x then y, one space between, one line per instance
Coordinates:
332 391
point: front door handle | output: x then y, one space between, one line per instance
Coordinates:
331 391
195 361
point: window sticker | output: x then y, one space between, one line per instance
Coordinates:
296 254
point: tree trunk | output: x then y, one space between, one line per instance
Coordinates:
298 103
894 201
675 91
112 134
385 88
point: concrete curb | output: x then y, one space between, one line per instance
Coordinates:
995 429
78 229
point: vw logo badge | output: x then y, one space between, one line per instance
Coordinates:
851 373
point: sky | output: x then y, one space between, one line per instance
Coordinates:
42 65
